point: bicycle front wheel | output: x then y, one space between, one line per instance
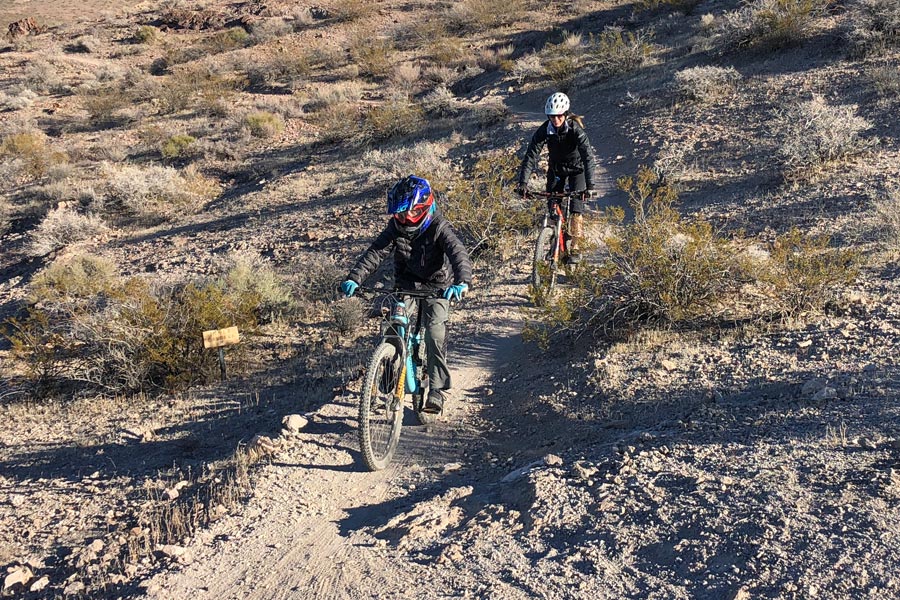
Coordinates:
543 275
380 411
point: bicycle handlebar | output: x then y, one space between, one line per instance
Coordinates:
424 294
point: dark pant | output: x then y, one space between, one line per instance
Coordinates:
574 183
437 311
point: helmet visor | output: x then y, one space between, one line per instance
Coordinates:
413 215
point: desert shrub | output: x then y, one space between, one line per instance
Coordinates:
393 119
490 113
805 273
84 276
316 281
343 93
347 314
562 62
478 204
43 76
225 41
447 51
769 24
886 80
615 51
354 10
491 59
707 83
815 134
177 146
61 227
426 159
527 67
482 15
373 54
155 191
886 209
405 77
876 27
103 104
671 164
287 69
440 102
264 124
31 150
17 100
176 93
249 275
146 34
266 30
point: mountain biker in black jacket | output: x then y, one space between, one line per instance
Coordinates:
570 160
427 256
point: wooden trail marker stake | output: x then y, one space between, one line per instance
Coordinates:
219 338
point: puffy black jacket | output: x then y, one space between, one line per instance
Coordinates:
420 261
569 152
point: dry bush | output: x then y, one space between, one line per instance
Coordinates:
6 212
146 34
176 92
478 205
17 100
440 102
103 105
316 281
490 113
264 124
440 75
348 315
562 62
615 51
491 59
886 209
266 30
769 24
290 70
425 159
405 77
156 192
876 27
226 41
706 83
805 273
685 6
372 54
30 150
343 93
483 15
393 119
448 52
43 76
671 164
61 227
886 80
339 122
250 275
815 134
354 10
177 146
527 68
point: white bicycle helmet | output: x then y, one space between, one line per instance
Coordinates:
557 104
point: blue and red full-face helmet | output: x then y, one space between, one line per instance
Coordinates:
411 201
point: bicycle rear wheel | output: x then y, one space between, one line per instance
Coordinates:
380 411
544 270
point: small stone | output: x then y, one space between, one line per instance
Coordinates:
804 343
96 545
170 550
171 494
39 584
826 393
451 467
552 460
18 575
668 365
294 423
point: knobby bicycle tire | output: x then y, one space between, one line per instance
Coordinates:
543 275
380 414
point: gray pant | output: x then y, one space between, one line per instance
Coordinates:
437 311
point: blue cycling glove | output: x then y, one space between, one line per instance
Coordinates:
455 292
349 287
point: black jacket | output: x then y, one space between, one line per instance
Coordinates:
420 261
569 152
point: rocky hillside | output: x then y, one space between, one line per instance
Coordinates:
172 167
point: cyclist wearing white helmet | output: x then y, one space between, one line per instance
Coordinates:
570 160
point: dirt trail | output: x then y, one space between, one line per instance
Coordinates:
308 531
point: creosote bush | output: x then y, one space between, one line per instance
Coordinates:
94 330
706 83
816 134
373 54
392 120
263 124
177 146
615 51
769 24
32 151
662 269
478 204
482 15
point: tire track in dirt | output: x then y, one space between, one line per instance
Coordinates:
308 530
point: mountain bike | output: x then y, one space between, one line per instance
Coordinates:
396 368
552 247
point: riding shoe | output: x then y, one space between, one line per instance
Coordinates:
434 404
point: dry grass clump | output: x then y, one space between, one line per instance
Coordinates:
343 93
17 100
706 83
226 41
448 51
348 315
440 102
483 15
527 68
156 192
405 78
43 76
354 10
886 80
61 227
146 34
372 54
491 59
562 62
616 51
290 70
425 159
685 6
249 274
816 134
769 24
29 153
393 119
876 27
263 124
266 30
104 105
